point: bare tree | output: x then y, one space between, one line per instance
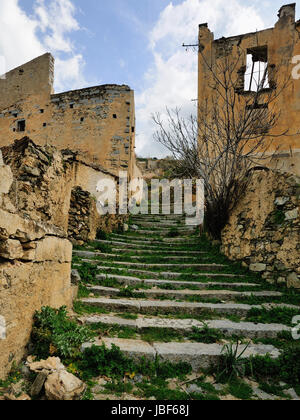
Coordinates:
232 133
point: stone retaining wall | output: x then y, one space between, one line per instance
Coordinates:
35 254
264 229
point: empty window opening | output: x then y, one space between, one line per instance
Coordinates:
15 115
115 116
45 125
21 126
21 71
257 76
41 111
72 106
132 129
81 119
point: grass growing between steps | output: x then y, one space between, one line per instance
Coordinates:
290 297
275 315
263 369
54 334
113 331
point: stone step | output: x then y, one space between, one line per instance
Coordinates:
132 281
198 267
148 307
158 226
155 251
131 245
164 275
155 240
162 232
160 223
223 295
199 356
185 326
158 257
157 217
129 240
87 254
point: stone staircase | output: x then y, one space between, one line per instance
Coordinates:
149 280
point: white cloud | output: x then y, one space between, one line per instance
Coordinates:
24 37
172 79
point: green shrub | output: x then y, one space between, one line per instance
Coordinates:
285 368
232 365
113 363
54 334
205 335
101 235
104 248
88 272
173 233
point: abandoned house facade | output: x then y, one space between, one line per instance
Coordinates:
265 61
96 122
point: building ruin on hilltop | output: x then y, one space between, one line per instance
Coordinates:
266 56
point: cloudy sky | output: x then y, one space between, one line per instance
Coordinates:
135 42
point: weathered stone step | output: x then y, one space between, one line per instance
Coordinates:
167 307
154 240
162 232
132 244
164 275
157 226
199 267
199 356
160 224
87 254
131 281
158 216
158 257
223 295
155 251
100 255
185 326
130 240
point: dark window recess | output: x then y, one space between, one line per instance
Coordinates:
14 129
82 119
132 129
41 111
72 106
21 126
15 115
115 116
21 71
257 72
44 124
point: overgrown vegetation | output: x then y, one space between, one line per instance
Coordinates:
56 335
101 235
205 335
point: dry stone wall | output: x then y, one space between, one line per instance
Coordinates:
35 254
264 229
42 211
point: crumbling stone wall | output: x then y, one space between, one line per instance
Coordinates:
264 229
35 254
82 216
85 221
43 179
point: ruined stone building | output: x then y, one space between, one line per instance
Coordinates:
268 56
54 149
97 122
